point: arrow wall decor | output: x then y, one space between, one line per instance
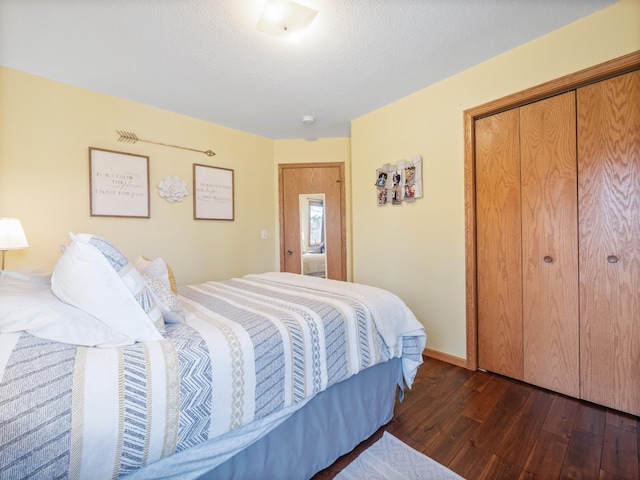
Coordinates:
130 137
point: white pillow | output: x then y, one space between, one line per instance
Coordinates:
158 269
94 276
171 308
79 329
28 304
24 303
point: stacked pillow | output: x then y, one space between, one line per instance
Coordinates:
95 297
159 269
94 276
160 279
27 304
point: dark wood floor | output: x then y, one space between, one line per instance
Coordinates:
485 426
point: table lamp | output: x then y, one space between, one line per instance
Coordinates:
12 236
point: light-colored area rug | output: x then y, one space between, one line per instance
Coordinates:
391 459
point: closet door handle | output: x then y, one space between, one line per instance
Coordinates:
548 259
289 252
612 259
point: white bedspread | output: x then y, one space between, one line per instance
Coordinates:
252 351
393 319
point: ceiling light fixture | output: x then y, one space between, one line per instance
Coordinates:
308 120
284 18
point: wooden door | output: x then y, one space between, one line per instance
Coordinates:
316 178
499 259
550 244
609 213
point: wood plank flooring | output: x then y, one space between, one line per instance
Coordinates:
485 426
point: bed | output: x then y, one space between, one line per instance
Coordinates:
271 375
314 264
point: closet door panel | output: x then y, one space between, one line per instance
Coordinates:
609 215
499 244
550 244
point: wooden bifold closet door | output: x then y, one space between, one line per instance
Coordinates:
527 244
550 323
558 242
609 192
499 253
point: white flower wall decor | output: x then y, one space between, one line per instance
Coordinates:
173 188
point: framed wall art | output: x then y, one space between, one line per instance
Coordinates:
212 193
119 184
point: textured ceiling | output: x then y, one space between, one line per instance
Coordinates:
204 58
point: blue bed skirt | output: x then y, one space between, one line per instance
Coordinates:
332 424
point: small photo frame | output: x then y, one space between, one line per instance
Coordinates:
382 196
118 184
212 193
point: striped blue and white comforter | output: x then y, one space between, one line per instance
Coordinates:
250 348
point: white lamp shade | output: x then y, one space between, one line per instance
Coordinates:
12 235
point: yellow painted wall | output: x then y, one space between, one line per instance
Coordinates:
317 151
313 151
46 128
417 250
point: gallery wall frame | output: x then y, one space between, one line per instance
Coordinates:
399 182
118 184
213 193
